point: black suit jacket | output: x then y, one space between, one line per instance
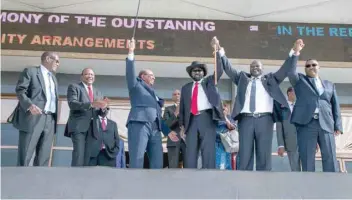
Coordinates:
308 99
30 89
96 136
271 82
211 92
81 111
171 121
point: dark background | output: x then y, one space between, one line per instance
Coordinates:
234 36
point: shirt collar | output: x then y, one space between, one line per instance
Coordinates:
101 118
86 86
44 69
199 82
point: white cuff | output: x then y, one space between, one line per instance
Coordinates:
292 52
130 56
222 52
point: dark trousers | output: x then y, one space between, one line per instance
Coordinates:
255 133
144 137
176 153
307 137
39 139
102 160
201 135
79 145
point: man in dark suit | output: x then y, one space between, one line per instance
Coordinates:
286 132
103 141
36 114
254 109
317 117
84 101
200 110
144 121
174 149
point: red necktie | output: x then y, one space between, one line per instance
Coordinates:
90 94
103 124
194 103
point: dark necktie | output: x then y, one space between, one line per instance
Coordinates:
194 103
252 96
90 93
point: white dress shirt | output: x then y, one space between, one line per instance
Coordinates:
320 88
291 104
50 104
202 99
86 86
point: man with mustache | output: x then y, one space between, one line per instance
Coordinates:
254 108
144 121
36 114
317 117
84 101
200 111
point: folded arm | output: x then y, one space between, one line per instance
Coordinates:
22 89
72 99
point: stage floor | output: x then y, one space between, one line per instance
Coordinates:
101 182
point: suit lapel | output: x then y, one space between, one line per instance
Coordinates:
41 79
312 87
84 91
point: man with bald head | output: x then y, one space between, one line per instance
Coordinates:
36 113
254 108
317 117
84 102
174 149
144 121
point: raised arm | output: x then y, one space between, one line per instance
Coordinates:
290 64
130 67
336 113
229 70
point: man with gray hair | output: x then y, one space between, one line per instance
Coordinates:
254 108
36 113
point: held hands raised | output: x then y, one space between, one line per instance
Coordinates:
298 46
215 44
100 103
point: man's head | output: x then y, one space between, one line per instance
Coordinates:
291 96
312 68
103 112
256 68
147 76
197 70
226 108
50 60
176 96
88 76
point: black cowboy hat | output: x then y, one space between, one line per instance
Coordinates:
197 64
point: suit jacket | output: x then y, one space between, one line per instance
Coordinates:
172 122
145 104
308 99
96 136
211 91
271 82
285 131
81 111
30 89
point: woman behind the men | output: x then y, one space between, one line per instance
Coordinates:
223 158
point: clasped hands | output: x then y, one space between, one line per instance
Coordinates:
100 103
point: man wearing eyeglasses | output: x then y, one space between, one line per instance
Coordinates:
36 114
317 117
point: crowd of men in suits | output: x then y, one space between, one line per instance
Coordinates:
308 118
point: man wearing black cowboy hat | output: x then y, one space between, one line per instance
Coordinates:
200 109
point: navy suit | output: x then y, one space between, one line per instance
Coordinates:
200 129
315 128
257 129
144 121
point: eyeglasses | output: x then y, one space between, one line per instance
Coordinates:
311 65
197 71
